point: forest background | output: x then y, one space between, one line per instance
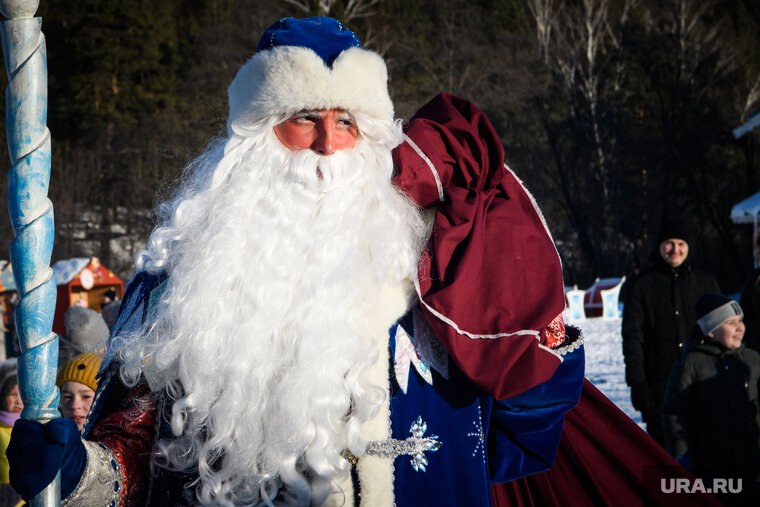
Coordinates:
615 113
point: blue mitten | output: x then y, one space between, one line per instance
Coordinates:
525 430
38 451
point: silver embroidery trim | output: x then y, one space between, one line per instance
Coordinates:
415 446
570 347
101 481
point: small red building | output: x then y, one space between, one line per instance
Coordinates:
7 283
592 299
82 281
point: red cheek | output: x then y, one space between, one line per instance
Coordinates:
294 136
345 140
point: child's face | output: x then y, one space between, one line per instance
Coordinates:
730 333
12 402
76 399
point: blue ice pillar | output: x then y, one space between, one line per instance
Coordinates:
31 214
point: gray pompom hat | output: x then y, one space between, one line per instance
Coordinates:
85 329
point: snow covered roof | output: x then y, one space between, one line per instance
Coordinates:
746 211
752 122
66 270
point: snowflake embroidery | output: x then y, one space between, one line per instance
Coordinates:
419 460
480 437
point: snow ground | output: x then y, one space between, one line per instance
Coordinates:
604 361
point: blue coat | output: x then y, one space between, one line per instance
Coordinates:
481 440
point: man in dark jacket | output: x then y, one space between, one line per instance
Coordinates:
657 317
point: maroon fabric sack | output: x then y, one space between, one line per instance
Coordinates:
604 458
490 279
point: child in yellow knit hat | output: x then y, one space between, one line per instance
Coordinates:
77 382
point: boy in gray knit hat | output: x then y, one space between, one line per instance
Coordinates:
711 411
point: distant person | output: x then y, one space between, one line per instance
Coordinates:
110 313
750 303
657 316
109 296
710 413
78 385
86 331
8 302
10 411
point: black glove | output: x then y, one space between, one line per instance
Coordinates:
642 399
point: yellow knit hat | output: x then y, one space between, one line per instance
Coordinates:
82 369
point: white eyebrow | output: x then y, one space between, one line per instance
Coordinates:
320 112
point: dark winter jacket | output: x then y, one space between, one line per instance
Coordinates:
750 303
711 408
657 317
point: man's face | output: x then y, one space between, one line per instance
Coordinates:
730 333
323 131
674 251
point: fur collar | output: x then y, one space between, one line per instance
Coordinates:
376 474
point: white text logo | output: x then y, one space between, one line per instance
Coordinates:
683 485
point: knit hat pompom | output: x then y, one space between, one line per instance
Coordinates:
85 328
715 309
83 369
674 228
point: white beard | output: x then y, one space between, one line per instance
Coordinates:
261 338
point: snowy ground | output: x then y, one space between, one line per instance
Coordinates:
604 361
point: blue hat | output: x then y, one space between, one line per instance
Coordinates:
325 36
313 63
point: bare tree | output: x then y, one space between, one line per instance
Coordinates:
543 12
574 41
751 97
349 10
704 59
677 62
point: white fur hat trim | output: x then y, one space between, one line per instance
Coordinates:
288 79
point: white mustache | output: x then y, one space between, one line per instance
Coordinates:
324 173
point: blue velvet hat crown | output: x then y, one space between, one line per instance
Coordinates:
325 36
312 63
